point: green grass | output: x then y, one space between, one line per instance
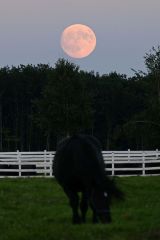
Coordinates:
36 209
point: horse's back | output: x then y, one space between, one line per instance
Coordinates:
77 157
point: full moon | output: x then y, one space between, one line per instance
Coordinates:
78 41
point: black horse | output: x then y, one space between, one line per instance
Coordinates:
79 167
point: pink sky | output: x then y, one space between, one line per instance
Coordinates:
126 30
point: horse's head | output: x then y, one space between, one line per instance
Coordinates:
103 192
101 205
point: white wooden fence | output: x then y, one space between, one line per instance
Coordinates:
25 164
132 163
39 164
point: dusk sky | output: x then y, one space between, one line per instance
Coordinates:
30 32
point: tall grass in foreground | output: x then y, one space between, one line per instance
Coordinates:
36 209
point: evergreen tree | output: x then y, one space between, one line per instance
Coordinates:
66 106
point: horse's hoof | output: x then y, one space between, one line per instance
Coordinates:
77 221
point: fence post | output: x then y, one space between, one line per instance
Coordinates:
156 154
50 168
112 163
45 162
19 163
143 163
129 155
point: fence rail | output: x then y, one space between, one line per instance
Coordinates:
39 164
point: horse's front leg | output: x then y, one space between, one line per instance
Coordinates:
74 203
95 216
84 205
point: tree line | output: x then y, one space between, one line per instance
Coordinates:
39 105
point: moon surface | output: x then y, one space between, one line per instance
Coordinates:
78 40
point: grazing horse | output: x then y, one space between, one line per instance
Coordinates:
78 166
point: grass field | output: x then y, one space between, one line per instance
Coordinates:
36 209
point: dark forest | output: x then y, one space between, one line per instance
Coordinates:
39 105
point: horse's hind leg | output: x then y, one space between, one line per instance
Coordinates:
84 205
74 203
